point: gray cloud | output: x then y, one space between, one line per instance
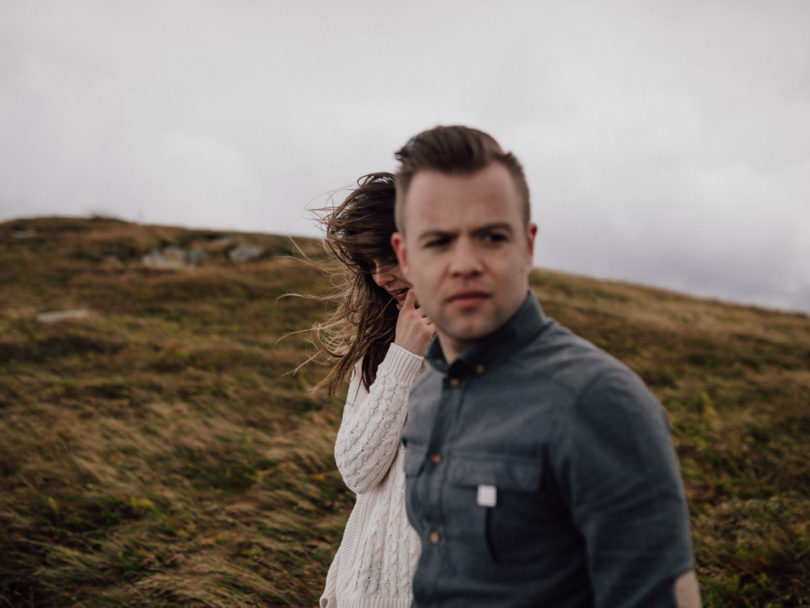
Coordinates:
665 143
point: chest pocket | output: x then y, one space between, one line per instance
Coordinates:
515 474
506 524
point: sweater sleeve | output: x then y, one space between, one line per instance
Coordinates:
372 422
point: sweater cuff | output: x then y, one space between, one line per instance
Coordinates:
401 364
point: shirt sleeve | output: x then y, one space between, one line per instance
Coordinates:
369 434
626 495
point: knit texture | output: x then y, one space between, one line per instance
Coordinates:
373 568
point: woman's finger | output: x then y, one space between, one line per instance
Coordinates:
410 300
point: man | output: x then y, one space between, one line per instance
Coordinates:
540 471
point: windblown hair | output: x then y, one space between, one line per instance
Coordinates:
357 232
454 150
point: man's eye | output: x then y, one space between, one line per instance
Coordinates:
437 242
494 237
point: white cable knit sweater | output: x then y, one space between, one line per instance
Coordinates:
373 568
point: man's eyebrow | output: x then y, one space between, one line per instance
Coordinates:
478 231
494 226
436 232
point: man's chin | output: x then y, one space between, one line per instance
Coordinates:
467 335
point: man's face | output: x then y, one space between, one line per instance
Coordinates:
466 251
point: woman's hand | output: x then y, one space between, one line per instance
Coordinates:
414 330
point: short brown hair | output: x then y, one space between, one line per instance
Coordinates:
454 150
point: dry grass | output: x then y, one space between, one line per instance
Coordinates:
157 452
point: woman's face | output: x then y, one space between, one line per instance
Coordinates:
389 278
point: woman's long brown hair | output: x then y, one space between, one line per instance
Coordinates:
358 232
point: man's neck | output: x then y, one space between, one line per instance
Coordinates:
452 349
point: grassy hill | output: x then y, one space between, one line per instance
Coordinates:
157 450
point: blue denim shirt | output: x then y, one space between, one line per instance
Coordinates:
540 472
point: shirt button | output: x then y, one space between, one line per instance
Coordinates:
454 382
434 537
479 369
436 458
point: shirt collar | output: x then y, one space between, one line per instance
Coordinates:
521 328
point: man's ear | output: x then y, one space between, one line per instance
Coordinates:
531 237
398 244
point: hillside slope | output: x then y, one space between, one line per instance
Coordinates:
158 450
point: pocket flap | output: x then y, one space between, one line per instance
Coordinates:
507 473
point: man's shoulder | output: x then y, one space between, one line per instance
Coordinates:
590 376
569 358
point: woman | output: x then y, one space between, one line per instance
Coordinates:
379 336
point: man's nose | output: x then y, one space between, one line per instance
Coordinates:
465 259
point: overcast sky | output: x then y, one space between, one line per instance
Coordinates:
665 143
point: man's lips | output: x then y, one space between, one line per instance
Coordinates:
471 296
